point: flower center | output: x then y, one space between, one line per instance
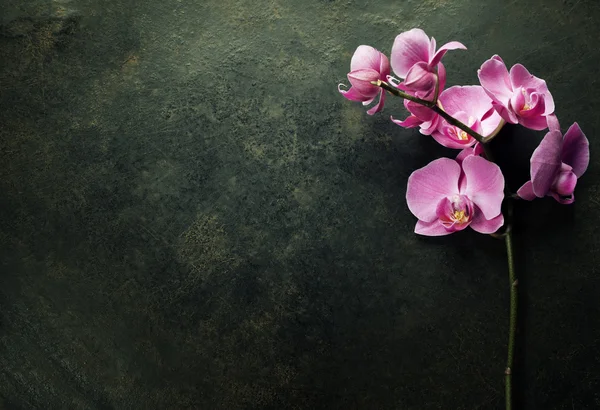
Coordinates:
526 106
455 213
460 216
459 134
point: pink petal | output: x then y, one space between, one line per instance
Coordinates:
464 154
361 80
419 78
420 111
446 133
453 45
427 186
367 57
488 113
520 77
429 127
432 46
534 123
517 100
441 76
576 150
526 191
493 76
545 163
537 106
476 149
553 124
484 185
507 115
482 225
471 99
455 227
409 48
434 228
445 140
410 122
384 66
549 102
565 183
352 94
490 123
379 106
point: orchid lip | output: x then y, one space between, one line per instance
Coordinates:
455 212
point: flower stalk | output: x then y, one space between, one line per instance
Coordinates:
513 282
433 106
512 326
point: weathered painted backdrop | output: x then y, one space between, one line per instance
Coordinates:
193 217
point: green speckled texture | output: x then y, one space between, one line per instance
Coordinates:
192 217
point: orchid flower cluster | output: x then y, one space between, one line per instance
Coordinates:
449 195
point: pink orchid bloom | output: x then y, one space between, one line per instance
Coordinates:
367 64
415 59
447 196
556 164
518 96
420 116
473 107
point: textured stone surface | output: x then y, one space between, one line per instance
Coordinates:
192 217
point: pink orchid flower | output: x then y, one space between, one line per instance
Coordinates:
473 107
367 64
415 59
518 96
556 164
420 116
447 196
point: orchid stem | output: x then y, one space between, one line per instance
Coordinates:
507 235
432 105
512 327
402 94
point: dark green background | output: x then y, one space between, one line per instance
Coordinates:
193 217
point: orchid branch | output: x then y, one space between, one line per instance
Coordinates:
433 106
507 236
399 93
512 321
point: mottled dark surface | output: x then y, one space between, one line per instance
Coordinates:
192 217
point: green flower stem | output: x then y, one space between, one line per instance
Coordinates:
512 327
513 282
